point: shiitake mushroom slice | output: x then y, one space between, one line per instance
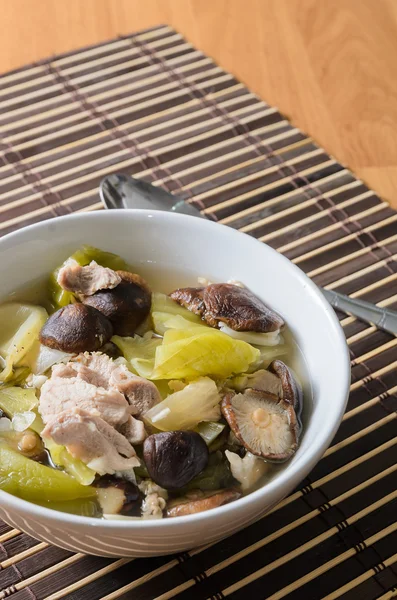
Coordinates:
291 388
190 298
118 496
181 507
173 458
264 424
126 306
235 306
76 328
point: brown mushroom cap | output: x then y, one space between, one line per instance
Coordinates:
118 496
291 388
239 308
76 328
235 306
181 508
191 298
126 306
173 458
265 425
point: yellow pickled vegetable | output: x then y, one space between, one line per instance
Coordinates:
41 358
165 312
164 304
139 352
20 327
164 321
73 466
33 481
197 402
209 431
190 353
86 254
18 377
85 507
15 400
186 353
170 321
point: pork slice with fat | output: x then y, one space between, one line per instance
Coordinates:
87 280
60 394
90 439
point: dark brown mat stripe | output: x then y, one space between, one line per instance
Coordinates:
153 106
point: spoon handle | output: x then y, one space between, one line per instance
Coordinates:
123 191
381 317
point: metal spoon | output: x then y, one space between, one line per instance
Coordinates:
123 191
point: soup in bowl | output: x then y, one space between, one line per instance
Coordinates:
164 381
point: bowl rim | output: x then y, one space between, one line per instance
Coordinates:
303 464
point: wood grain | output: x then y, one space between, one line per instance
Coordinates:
329 65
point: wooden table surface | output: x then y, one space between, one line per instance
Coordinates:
329 65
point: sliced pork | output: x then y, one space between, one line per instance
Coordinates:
66 390
96 366
140 393
88 280
134 431
92 440
87 405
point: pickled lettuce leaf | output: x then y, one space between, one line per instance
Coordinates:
139 352
33 481
20 328
163 321
165 304
83 256
198 401
75 467
190 353
18 377
58 296
163 311
41 358
15 400
163 388
209 431
85 507
86 254
186 353
268 355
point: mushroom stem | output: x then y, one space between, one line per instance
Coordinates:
261 418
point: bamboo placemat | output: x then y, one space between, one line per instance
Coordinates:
152 105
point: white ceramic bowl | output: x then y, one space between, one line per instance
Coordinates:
187 247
